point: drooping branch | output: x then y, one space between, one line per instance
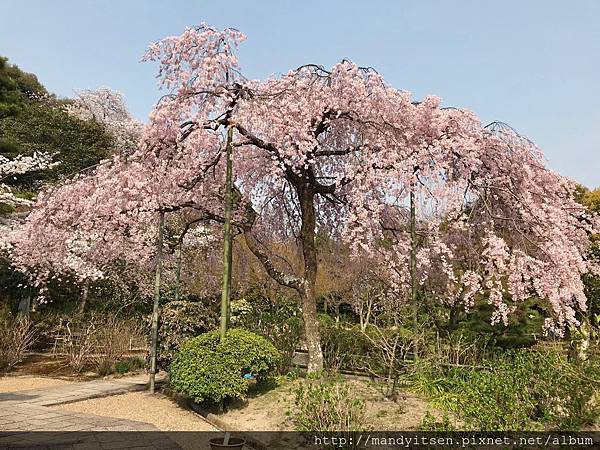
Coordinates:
280 277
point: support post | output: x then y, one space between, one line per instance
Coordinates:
154 344
25 304
227 238
413 271
178 269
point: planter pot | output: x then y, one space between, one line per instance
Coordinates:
234 443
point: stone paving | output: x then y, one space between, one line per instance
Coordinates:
75 392
27 420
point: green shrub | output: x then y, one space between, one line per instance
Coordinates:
122 367
207 368
382 351
6 209
344 345
325 320
328 404
277 320
430 423
136 362
129 364
522 390
179 321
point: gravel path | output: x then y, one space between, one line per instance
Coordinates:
25 383
23 410
157 409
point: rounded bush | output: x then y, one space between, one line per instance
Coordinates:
206 368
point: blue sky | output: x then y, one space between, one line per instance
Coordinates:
533 64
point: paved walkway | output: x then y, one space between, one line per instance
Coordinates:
24 412
75 392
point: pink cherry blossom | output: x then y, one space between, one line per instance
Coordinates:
335 150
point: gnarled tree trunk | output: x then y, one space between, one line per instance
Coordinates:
309 303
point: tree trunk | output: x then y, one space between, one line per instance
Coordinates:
84 297
453 318
25 305
309 303
178 270
361 320
364 316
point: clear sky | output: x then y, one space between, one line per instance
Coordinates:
534 64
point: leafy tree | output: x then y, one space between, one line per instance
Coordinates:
17 88
77 144
34 121
591 199
588 198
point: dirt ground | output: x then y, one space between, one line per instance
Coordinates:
44 364
272 410
15 383
47 365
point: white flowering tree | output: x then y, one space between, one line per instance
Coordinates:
108 108
11 168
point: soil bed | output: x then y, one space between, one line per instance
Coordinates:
48 365
45 364
272 411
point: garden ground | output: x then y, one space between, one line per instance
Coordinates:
265 410
271 411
